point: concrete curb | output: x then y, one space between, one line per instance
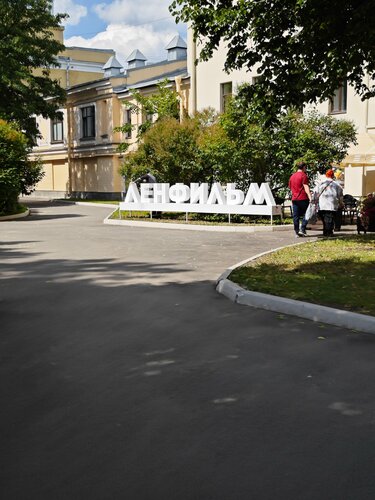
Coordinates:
194 227
87 203
15 216
306 310
227 272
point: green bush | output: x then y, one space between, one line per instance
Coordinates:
18 175
238 146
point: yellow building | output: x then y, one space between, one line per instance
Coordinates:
211 86
79 153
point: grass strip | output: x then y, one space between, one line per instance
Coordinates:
196 218
337 272
20 209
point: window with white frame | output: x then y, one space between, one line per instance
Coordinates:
226 91
88 122
57 130
338 102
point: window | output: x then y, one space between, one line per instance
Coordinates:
88 122
338 101
57 130
149 117
128 121
226 95
34 125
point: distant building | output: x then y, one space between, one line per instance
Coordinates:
79 153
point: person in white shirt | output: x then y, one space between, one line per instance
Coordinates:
330 198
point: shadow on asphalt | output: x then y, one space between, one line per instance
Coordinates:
97 272
38 202
113 387
35 215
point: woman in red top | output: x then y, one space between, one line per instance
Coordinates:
301 196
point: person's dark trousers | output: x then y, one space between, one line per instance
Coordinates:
299 210
328 218
338 219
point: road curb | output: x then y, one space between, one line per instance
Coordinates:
88 204
306 310
15 216
195 227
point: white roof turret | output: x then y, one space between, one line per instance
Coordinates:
112 67
176 48
136 59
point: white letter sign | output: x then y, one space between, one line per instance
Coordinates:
161 197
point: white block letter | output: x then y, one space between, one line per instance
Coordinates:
147 193
132 194
216 195
258 195
198 193
179 193
161 192
234 196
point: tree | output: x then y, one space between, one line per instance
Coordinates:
18 175
238 147
194 150
27 51
303 49
168 150
269 152
164 103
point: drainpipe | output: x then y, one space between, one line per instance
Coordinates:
364 172
193 76
367 109
69 139
178 82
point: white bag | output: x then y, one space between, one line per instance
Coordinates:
311 214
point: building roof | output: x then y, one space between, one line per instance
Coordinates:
89 49
176 42
136 55
151 81
112 63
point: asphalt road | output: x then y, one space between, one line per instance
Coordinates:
124 375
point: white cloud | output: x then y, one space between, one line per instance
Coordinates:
124 39
132 11
75 11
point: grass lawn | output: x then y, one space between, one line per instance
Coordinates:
336 272
195 218
20 210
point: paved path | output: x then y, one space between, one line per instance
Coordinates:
124 375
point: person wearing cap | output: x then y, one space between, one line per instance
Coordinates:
330 198
299 186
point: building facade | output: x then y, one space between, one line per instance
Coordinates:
80 152
211 86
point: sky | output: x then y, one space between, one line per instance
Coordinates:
121 25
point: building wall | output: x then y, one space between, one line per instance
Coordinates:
56 176
88 55
96 175
210 76
153 71
360 162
